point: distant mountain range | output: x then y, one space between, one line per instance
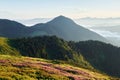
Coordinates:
60 26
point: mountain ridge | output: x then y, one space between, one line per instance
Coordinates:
60 26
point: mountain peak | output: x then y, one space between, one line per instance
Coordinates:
61 19
61 16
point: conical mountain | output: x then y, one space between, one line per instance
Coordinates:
67 29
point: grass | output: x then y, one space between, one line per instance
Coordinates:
5 48
27 68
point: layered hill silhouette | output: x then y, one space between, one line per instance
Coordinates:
60 26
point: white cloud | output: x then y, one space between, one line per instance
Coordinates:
105 33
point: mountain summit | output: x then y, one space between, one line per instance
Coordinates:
61 19
67 29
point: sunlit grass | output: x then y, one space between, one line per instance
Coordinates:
5 48
26 68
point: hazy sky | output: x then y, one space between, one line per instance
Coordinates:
26 9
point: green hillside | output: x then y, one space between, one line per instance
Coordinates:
89 55
27 68
5 48
51 48
102 56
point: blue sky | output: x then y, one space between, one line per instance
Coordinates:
26 9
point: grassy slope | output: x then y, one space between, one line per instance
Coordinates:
5 48
27 68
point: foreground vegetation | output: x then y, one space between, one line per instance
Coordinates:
91 55
27 68
5 48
